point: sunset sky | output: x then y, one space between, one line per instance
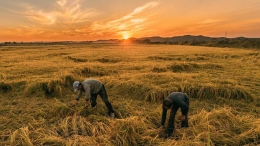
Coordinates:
84 20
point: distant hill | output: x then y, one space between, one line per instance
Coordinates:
176 38
239 42
190 38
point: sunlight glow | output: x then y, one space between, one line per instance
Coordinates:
126 35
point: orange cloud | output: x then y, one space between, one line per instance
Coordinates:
64 12
55 23
128 24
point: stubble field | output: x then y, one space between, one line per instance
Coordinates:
36 91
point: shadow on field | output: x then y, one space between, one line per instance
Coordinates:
76 59
180 67
108 60
186 67
4 87
178 58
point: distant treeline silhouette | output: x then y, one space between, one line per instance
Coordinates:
239 42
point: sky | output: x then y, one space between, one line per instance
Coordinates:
88 20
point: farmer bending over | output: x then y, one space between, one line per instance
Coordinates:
173 102
92 89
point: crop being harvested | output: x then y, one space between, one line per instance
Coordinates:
36 93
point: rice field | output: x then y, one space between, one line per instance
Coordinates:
36 91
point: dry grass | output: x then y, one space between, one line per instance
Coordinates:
35 86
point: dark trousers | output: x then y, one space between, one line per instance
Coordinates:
103 94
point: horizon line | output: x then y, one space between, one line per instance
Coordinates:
128 39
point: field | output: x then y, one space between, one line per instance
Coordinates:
36 91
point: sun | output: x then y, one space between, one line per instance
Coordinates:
126 35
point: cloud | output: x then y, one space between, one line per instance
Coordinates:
64 12
147 5
141 9
39 16
62 2
130 23
67 19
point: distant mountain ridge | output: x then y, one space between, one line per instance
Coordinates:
238 42
188 38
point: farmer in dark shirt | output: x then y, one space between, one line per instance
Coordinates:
92 89
173 102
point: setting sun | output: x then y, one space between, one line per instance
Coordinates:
126 35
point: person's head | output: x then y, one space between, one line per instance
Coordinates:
167 103
77 86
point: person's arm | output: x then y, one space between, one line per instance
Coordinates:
184 108
164 113
87 92
77 99
79 95
170 127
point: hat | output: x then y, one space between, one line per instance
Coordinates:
75 86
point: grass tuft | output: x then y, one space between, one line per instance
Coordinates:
159 69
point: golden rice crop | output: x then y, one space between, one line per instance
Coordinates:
36 93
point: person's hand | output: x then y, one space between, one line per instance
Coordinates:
87 104
182 117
